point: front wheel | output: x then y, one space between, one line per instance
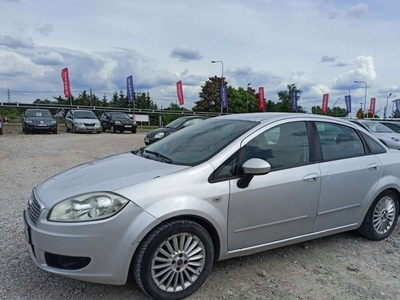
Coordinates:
174 261
381 218
134 130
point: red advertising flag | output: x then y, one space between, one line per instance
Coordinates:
179 92
372 106
261 101
325 99
65 79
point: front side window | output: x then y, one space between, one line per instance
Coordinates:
339 141
283 146
394 127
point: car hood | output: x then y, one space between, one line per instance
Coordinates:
106 174
387 136
158 130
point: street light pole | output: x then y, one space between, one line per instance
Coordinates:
222 82
386 107
365 97
247 96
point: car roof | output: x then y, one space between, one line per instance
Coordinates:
264 117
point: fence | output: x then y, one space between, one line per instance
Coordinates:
155 116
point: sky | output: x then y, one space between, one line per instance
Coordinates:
323 46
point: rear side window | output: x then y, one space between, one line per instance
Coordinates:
375 146
339 141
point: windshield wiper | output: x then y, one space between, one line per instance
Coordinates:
159 155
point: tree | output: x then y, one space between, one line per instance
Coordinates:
104 100
285 100
335 112
210 95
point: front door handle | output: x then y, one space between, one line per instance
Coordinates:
373 167
311 177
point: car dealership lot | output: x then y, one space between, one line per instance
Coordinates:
343 266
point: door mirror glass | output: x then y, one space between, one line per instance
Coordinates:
256 166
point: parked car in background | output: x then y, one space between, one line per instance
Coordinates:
386 135
395 126
80 120
117 121
159 133
38 120
212 191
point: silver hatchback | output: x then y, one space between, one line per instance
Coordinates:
226 187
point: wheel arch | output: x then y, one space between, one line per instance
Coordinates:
207 225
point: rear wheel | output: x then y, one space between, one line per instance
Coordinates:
174 261
381 218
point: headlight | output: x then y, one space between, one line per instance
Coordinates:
118 123
79 123
53 121
28 121
87 207
159 135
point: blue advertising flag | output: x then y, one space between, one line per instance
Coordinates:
294 100
347 99
224 96
129 87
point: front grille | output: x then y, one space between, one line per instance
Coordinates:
34 209
89 124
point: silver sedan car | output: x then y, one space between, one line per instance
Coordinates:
226 187
382 132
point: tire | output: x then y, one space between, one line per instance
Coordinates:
66 126
73 128
149 249
103 129
23 129
367 228
98 132
134 130
112 129
55 131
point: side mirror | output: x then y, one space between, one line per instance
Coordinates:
251 168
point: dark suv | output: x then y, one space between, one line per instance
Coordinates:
117 121
38 120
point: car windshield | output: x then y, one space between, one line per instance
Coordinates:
198 143
176 123
377 127
84 115
38 113
120 116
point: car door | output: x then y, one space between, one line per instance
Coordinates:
283 203
349 175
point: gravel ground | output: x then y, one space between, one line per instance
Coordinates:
343 266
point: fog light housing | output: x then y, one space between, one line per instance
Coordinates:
66 262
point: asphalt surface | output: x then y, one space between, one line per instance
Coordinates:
343 266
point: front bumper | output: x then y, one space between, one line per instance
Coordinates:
83 128
108 244
125 127
40 127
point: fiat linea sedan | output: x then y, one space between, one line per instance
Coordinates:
229 186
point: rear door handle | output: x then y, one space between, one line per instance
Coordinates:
373 167
311 177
